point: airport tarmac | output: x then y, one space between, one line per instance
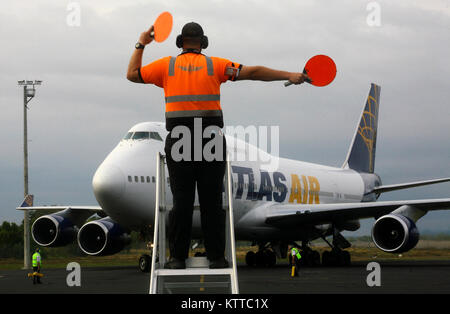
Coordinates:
400 277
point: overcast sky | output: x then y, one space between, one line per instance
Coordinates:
86 105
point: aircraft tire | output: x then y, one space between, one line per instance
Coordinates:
270 258
315 258
336 258
145 263
250 258
260 258
346 259
327 258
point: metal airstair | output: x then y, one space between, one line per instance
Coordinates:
197 272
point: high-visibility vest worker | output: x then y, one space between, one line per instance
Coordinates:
295 259
36 259
295 252
36 262
191 83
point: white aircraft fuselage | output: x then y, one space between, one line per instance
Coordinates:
124 185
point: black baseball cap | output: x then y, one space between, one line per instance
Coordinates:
192 30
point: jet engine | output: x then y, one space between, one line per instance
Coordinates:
394 233
102 237
54 230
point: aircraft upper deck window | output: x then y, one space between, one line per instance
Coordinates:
141 136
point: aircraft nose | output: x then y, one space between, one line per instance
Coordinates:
108 184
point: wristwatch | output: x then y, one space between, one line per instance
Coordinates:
139 46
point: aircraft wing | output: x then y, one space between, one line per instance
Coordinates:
81 210
298 214
27 204
94 209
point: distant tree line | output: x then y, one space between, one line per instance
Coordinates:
11 240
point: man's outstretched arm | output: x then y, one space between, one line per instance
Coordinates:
136 58
261 73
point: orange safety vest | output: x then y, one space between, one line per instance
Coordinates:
192 89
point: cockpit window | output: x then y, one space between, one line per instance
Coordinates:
128 136
155 136
141 136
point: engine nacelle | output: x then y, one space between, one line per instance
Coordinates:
102 237
54 230
395 233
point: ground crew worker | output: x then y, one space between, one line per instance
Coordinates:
36 263
191 83
295 257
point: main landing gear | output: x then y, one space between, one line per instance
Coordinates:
310 257
337 256
263 257
268 253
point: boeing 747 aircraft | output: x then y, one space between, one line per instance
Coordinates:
294 204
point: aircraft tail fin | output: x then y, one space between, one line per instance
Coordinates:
27 201
361 155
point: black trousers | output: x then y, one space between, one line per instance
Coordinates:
184 177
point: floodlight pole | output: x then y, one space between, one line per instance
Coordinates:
28 94
26 217
25 141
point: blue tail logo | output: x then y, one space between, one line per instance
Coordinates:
28 201
361 155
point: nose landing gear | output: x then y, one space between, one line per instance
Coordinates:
145 263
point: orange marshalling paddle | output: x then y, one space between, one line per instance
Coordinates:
162 27
321 70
